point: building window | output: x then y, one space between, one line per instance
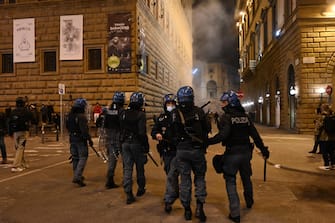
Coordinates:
7 65
265 27
49 61
274 20
143 61
211 89
288 8
94 59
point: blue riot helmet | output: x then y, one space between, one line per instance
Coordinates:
185 95
118 97
20 102
137 99
169 98
232 98
80 103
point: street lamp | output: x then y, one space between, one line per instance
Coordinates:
320 91
293 91
260 100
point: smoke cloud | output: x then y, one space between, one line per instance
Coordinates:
214 31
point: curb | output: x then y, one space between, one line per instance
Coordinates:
281 166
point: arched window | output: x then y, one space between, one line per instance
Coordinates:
211 89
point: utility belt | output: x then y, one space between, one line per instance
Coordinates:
166 147
130 137
75 134
239 148
190 145
185 139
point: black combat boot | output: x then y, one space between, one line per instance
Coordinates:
140 192
110 184
199 212
130 198
168 207
234 219
188 214
79 182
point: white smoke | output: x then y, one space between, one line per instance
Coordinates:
213 30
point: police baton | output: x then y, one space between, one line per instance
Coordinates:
152 159
205 104
264 174
100 155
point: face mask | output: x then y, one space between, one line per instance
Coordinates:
170 108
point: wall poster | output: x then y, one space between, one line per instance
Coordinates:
71 37
119 45
24 40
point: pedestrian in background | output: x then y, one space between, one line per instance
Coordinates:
166 148
234 132
317 123
326 140
19 121
3 132
79 135
111 124
44 113
190 128
97 110
135 145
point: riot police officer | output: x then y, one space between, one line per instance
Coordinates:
191 129
19 120
111 124
77 125
235 127
135 145
166 147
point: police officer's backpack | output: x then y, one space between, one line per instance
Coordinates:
329 124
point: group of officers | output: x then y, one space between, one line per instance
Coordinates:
182 134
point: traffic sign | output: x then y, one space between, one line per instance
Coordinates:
61 89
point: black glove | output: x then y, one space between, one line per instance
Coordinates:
265 152
145 158
160 149
90 142
146 147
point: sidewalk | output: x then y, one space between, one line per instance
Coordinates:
290 151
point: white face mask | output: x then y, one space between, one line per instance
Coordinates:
170 108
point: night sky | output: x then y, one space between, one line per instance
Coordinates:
214 31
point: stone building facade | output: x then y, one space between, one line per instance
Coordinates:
210 80
286 59
158 60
